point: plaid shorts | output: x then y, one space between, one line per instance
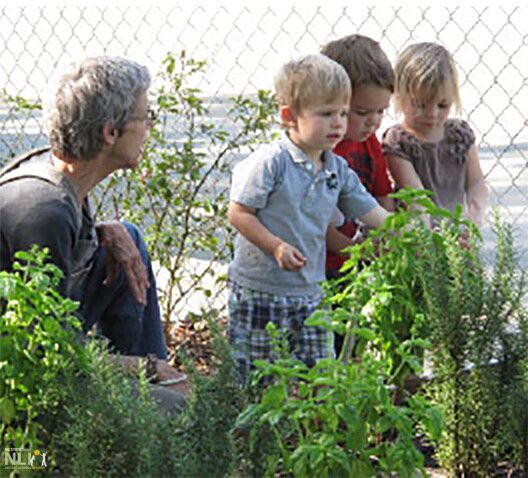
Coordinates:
250 311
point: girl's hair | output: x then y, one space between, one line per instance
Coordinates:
363 59
311 80
423 70
87 96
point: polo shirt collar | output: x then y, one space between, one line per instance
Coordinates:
298 155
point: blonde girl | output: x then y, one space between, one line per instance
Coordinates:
428 149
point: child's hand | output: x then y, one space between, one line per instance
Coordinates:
288 257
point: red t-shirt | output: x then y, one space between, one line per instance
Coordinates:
366 159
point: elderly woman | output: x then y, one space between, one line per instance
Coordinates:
97 119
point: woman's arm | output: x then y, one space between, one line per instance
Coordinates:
131 365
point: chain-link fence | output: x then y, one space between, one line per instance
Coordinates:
243 47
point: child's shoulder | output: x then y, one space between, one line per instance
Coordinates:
458 131
267 153
458 138
266 163
397 134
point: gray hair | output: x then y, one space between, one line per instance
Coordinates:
87 96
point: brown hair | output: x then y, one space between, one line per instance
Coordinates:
363 60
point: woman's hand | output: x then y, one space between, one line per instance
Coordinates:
120 251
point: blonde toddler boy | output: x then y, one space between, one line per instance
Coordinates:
282 199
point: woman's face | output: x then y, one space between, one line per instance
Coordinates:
128 148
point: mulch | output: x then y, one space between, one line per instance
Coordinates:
192 338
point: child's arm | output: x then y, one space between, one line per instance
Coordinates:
336 241
387 203
404 175
243 218
476 189
403 172
356 202
375 217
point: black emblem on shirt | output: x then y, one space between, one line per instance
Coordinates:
331 181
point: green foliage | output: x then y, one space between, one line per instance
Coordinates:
39 348
205 444
333 419
92 417
18 103
178 194
111 426
380 291
411 288
406 290
479 336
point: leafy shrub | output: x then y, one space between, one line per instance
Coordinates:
39 348
205 439
333 419
92 417
111 426
407 290
431 290
479 343
380 290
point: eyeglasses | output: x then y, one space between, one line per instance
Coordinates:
149 118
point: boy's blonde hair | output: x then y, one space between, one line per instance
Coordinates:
423 70
363 59
310 80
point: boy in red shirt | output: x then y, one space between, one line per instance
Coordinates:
372 79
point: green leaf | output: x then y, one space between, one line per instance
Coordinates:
273 396
434 423
318 319
367 334
7 410
361 469
7 286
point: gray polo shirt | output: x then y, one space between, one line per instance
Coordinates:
294 203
